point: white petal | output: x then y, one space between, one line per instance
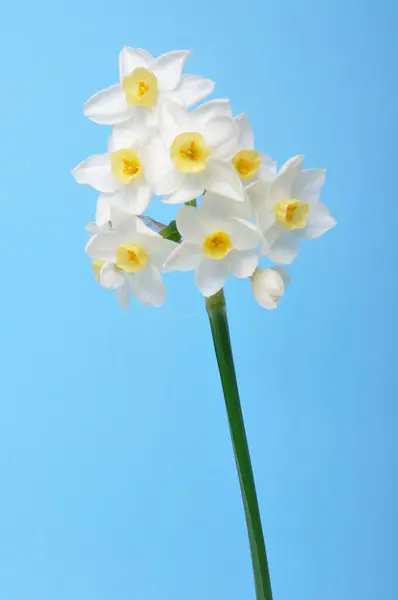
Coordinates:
123 295
96 171
265 219
212 109
222 207
307 185
130 59
147 286
191 224
130 134
173 120
110 278
129 199
244 235
222 179
221 135
168 68
211 275
270 236
186 257
320 221
283 183
246 138
191 187
104 203
159 168
262 203
193 89
108 106
103 245
243 264
123 222
267 167
285 249
159 249
135 197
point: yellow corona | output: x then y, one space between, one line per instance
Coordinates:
217 245
140 88
131 257
190 153
292 214
97 266
247 163
126 165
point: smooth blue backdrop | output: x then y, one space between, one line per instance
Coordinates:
116 470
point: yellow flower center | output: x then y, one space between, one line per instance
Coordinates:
126 165
292 214
131 257
140 87
97 266
217 245
190 153
246 163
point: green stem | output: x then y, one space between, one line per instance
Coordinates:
215 306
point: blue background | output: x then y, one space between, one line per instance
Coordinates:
117 479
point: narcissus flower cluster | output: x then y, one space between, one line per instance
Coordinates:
236 207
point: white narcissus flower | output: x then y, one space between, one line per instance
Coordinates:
144 82
248 163
194 152
268 285
287 209
213 246
120 173
110 277
134 252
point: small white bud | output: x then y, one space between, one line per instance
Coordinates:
268 285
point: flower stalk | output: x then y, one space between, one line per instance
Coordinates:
216 309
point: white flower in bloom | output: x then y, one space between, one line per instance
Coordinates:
110 277
194 152
213 246
287 209
268 285
120 174
136 252
144 81
250 164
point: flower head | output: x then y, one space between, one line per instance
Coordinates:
120 174
287 209
193 152
135 254
144 82
248 163
268 285
213 246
